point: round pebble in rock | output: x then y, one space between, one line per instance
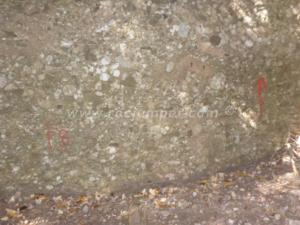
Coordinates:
85 209
105 60
49 187
249 43
277 216
218 82
104 77
116 73
66 44
183 30
170 67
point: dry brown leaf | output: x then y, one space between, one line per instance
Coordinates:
172 190
227 183
204 182
139 195
12 213
83 199
161 203
142 194
241 174
153 192
98 196
60 202
40 197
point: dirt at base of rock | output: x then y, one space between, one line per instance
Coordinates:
264 194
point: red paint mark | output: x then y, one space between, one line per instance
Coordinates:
262 86
64 138
49 135
62 133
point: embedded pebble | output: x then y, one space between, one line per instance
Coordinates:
249 43
85 209
183 30
66 44
105 60
49 187
277 216
218 82
38 201
104 76
116 73
170 67
112 150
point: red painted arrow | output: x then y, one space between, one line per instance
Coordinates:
262 86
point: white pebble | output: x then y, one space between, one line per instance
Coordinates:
104 77
105 60
85 209
66 44
230 221
49 187
114 66
112 150
38 201
183 30
249 43
248 19
116 73
277 217
170 67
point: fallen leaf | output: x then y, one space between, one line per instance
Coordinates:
82 199
12 213
241 174
59 202
40 197
161 203
153 192
204 182
142 194
227 183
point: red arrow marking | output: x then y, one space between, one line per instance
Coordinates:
262 86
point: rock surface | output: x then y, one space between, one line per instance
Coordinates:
98 95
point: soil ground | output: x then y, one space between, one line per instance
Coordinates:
266 193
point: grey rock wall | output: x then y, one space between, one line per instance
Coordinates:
98 95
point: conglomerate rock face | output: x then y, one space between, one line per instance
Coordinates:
98 95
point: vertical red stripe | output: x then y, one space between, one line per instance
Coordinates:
262 86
